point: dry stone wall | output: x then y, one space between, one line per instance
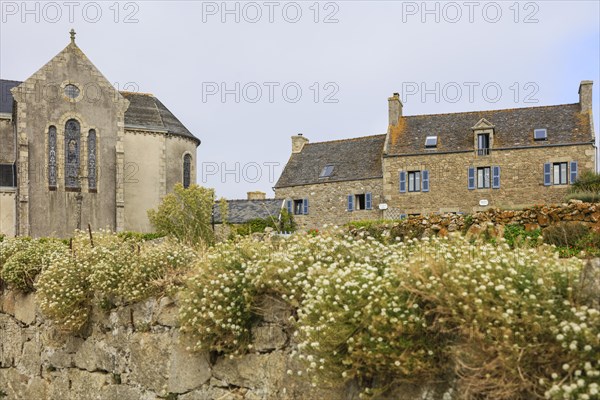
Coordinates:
136 352
531 218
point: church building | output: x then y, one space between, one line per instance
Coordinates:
75 151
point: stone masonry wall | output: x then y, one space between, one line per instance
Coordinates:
328 202
521 180
531 218
137 353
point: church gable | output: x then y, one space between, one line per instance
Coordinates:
70 78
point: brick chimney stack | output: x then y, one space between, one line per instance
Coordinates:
298 142
394 109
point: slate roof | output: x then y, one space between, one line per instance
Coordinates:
242 211
353 159
145 111
512 128
148 112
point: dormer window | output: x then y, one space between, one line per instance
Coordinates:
483 144
431 142
540 134
483 132
327 171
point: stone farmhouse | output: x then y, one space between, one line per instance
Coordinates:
442 163
74 150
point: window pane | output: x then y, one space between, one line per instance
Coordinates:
487 177
411 181
72 141
556 174
563 173
417 181
479 178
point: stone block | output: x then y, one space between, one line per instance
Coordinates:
25 308
268 337
187 370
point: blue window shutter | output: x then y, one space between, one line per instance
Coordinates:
350 202
289 206
573 172
425 181
471 174
402 181
305 206
368 201
547 174
495 177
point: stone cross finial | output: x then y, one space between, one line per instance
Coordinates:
72 36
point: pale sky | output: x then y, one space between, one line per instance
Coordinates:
233 72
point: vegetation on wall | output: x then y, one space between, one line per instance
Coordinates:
106 269
508 320
185 214
504 316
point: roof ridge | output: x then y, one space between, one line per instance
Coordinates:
495 110
10 80
348 139
134 93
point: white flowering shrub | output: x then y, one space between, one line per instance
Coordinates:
111 271
22 259
507 322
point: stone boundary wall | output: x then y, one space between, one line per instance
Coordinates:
531 218
136 352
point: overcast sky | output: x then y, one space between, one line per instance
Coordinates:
233 72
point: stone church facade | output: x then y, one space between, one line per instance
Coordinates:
442 163
75 151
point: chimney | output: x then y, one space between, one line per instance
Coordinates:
298 142
394 109
585 96
257 195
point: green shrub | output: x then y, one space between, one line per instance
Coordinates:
516 234
185 214
565 234
30 258
586 182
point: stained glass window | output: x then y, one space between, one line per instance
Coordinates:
187 170
52 157
71 91
72 154
92 159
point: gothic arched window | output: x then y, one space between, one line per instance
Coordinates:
187 170
91 146
72 154
52 157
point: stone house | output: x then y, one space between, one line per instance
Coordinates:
442 163
255 206
74 150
